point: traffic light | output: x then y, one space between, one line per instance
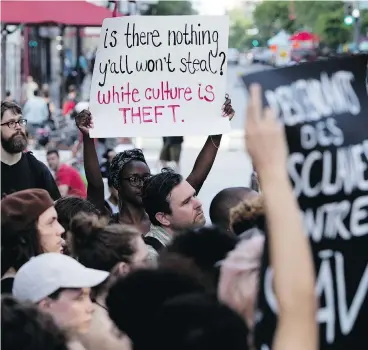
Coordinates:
255 43
348 9
32 43
348 20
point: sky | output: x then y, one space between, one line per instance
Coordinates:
213 7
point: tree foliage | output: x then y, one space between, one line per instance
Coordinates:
239 25
331 28
364 22
325 18
307 13
271 16
170 8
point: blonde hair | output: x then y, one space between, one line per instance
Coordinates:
247 214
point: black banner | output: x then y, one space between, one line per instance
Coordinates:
324 107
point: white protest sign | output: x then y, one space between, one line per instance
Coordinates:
160 76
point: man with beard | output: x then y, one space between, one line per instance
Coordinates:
172 206
20 170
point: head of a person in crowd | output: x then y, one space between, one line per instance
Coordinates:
248 217
8 96
109 155
61 287
128 171
197 321
45 88
46 94
134 301
53 159
205 248
30 79
69 206
72 91
224 201
24 326
116 248
29 227
239 277
171 202
13 128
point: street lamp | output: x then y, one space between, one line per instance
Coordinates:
355 13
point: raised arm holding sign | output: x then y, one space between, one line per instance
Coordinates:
324 107
160 76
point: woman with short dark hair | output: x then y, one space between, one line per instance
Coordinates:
29 227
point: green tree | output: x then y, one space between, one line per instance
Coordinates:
239 26
307 13
170 8
271 16
332 30
364 22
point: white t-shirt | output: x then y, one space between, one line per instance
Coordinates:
114 208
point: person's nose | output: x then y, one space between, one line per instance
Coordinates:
18 127
90 306
61 229
197 204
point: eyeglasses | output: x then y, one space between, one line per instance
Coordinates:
12 124
136 181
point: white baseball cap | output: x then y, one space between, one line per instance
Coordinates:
44 274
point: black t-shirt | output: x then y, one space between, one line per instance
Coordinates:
7 285
27 173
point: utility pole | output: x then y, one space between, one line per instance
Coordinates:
357 23
4 34
132 8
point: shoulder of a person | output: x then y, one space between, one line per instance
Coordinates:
75 345
65 168
152 252
31 157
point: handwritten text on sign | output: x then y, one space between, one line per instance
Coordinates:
160 76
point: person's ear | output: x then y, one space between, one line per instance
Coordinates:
122 269
45 304
163 219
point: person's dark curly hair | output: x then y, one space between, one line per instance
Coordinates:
156 191
68 207
19 246
98 245
205 248
198 322
25 327
133 301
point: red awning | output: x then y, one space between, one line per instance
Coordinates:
69 13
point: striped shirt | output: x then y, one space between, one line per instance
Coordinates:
162 236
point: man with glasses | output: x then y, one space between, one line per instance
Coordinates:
20 170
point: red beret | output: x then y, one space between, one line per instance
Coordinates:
19 209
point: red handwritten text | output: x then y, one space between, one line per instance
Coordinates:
165 92
146 114
208 95
125 95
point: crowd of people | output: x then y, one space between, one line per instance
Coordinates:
142 270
